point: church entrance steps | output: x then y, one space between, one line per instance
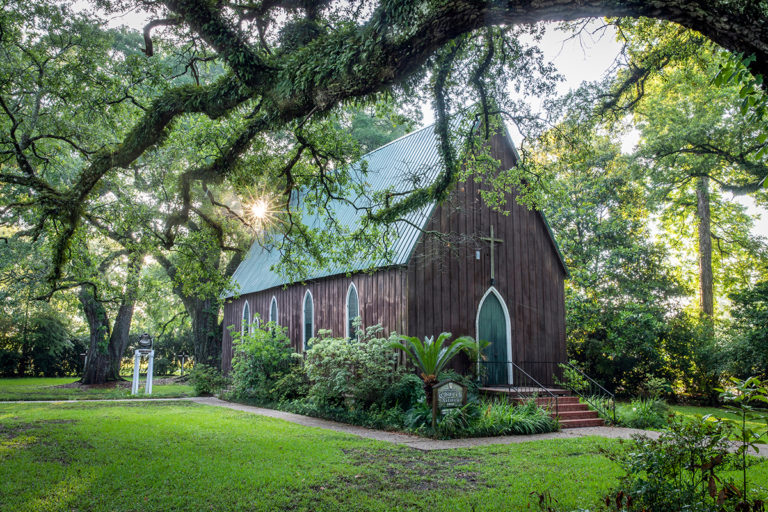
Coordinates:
523 391
570 412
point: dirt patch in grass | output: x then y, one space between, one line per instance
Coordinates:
119 384
10 431
407 470
136 404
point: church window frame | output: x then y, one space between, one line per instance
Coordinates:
347 320
304 337
274 318
245 320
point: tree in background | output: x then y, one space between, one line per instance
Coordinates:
628 221
699 149
749 331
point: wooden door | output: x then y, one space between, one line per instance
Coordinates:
492 326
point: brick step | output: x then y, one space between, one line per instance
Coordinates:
562 400
570 407
577 415
594 422
516 392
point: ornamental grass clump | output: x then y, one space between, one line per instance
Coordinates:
482 419
499 418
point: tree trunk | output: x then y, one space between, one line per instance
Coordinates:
206 335
118 342
203 312
98 365
706 286
106 348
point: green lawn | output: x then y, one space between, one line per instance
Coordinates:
184 456
691 411
45 389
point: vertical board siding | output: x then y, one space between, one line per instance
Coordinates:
447 282
380 296
441 288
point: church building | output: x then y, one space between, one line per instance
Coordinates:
494 277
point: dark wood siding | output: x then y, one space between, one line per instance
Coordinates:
381 296
441 289
447 282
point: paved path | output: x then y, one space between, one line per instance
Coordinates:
419 443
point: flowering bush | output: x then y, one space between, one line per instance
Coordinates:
359 370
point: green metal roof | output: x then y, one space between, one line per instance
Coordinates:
392 166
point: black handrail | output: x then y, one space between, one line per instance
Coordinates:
594 399
514 385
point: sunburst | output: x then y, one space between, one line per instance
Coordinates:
261 211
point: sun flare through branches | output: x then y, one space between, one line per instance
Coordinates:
261 211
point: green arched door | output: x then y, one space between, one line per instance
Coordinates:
492 327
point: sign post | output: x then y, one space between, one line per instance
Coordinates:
447 395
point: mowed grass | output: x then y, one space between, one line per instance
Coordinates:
46 389
717 412
164 456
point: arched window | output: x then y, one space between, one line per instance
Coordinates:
308 323
245 325
353 310
273 310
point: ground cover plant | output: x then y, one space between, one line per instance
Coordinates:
691 466
359 381
184 456
65 388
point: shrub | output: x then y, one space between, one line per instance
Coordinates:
207 380
643 413
261 359
361 369
374 417
678 471
404 392
294 384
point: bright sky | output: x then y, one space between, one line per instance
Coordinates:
584 58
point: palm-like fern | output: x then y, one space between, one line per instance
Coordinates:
431 356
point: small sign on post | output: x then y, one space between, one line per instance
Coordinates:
447 395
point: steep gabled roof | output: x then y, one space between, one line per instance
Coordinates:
392 166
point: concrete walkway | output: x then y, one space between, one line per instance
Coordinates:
422 443
419 443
